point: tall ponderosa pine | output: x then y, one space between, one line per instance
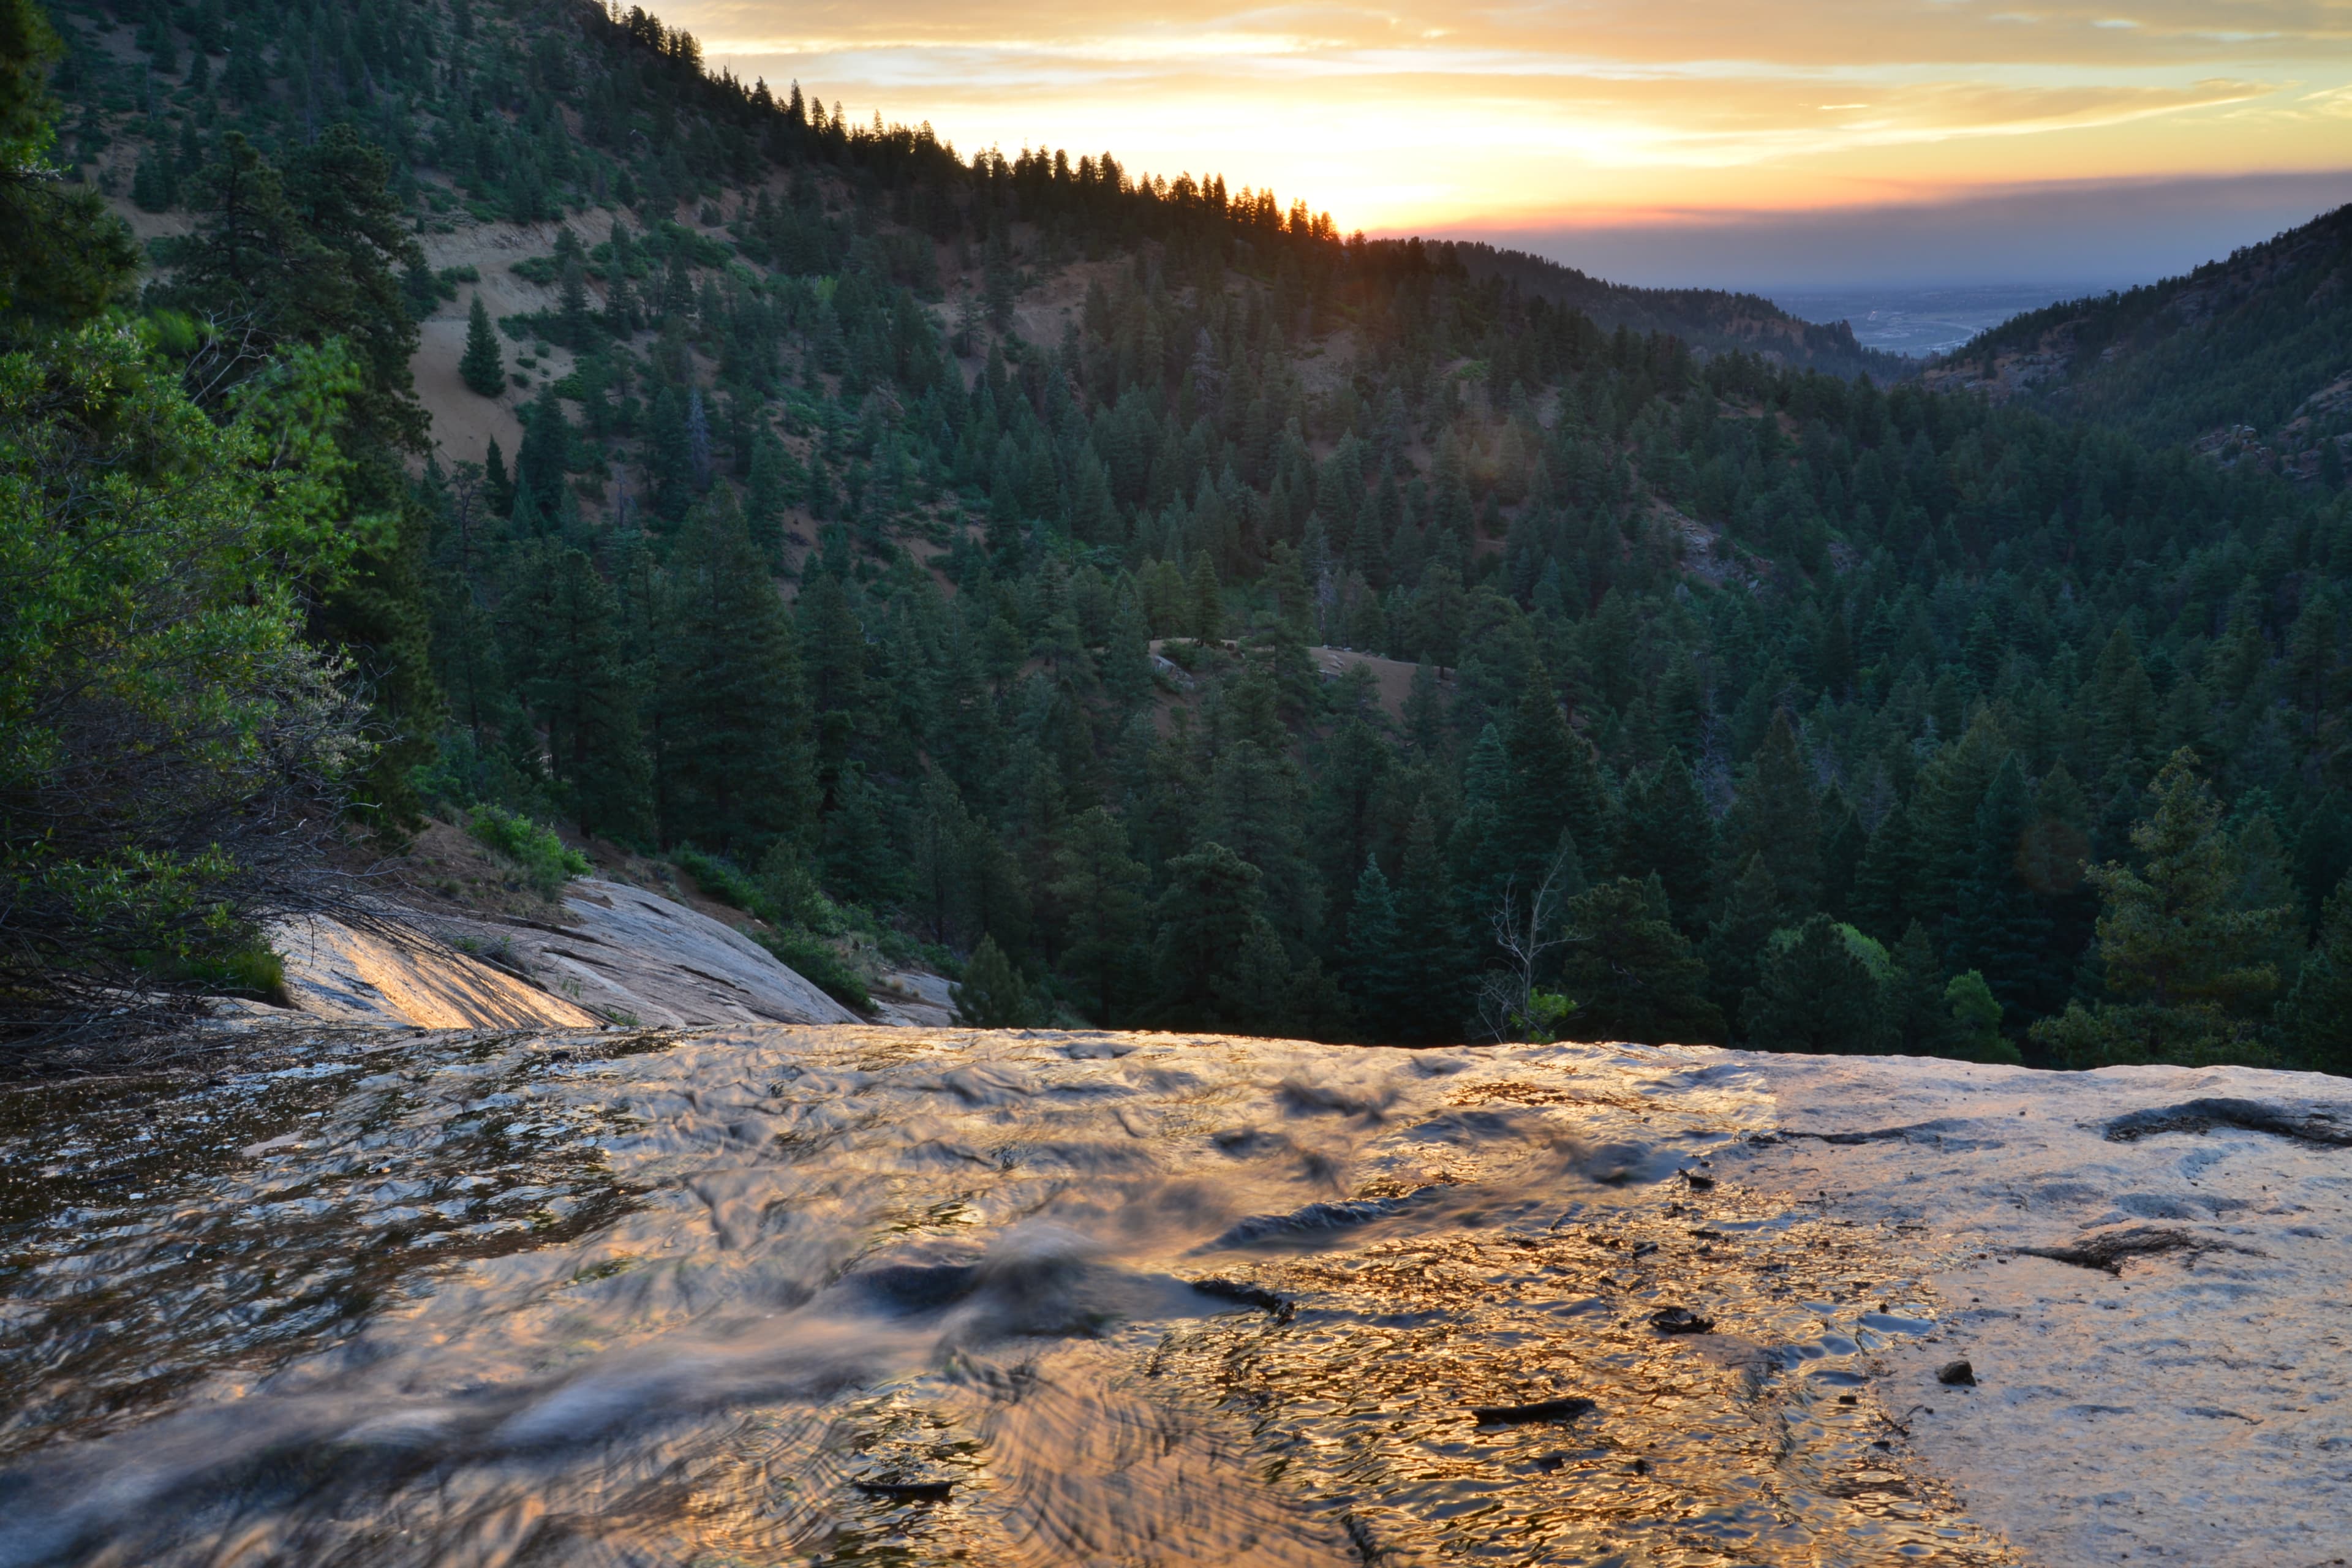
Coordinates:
1377 980
2002 930
1776 818
566 649
1098 893
1749 913
1668 833
1820 990
1631 975
2318 1012
483 368
1218 962
64 257
2191 972
732 770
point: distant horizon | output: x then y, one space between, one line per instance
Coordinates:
1757 145
2076 238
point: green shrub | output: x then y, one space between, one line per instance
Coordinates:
993 994
545 861
254 972
817 961
725 881
794 897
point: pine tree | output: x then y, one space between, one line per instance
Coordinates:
567 652
483 368
766 496
1374 970
1886 878
991 994
733 761
1917 1019
540 466
1775 816
1844 840
1435 965
1819 990
573 318
1205 612
1749 913
2318 1012
1944 806
1552 786
64 257
1631 975
2190 971
1217 962
2123 708
2000 929
1126 672
1669 833
497 482
1976 1018
1098 889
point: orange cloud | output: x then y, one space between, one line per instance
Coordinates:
1419 115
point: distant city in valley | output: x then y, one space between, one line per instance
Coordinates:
1923 322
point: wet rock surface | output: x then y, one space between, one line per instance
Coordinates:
846 1295
768 1295
2152 1393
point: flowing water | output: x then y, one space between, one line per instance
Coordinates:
866 1296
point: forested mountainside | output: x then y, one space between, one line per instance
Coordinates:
1146 599
2250 357
1709 320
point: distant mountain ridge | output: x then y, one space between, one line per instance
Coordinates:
1717 320
2253 352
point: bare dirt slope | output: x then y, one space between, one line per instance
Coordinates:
465 422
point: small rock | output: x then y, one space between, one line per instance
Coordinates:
909 1492
1849 1399
1699 1184
1542 1410
1680 1321
1958 1374
1550 1461
1641 1467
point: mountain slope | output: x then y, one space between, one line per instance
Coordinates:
2261 341
1715 320
941 549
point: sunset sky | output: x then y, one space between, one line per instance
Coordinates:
1700 129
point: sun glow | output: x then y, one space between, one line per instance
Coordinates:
1416 116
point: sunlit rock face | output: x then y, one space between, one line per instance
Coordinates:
785 1295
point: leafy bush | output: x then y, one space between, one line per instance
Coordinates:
817 961
725 881
787 898
993 995
162 721
252 971
545 861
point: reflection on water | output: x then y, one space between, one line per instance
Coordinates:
882 1296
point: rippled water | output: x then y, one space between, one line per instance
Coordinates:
864 1296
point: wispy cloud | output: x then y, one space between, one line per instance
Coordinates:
1414 112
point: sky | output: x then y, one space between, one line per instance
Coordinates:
1744 143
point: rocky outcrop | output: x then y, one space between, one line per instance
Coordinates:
390 974
626 956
